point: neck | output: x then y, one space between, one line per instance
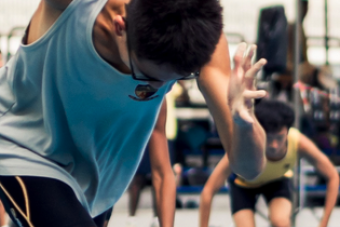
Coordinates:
104 36
279 156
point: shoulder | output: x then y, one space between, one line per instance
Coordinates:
47 13
294 133
294 137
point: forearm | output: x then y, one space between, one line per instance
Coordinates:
244 142
224 91
165 191
331 198
309 151
247 156
214 183
205 208
163 177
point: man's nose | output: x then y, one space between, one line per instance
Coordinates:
274 144
156 84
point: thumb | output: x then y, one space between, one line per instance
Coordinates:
248 94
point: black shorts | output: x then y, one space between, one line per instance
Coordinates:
41 202
246 198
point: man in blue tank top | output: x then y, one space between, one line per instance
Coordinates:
84 94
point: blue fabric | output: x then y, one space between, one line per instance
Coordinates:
67 114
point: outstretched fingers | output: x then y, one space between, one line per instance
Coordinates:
249 58
251 73
256 68
248 94
238 60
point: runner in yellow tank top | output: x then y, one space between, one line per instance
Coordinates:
284 144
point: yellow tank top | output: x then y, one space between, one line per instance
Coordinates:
277 169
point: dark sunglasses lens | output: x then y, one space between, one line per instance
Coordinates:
142 77
144 91
191 76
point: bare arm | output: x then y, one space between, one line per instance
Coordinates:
241 135
308 150
163 178
44 17
214 183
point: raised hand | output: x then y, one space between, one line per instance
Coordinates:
242 90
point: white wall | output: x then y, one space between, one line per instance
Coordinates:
241 16
15 13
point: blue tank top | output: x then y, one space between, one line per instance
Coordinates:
67 114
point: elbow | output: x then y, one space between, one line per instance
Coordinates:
248 175
334 178
247 171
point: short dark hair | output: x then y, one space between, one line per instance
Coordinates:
273 115
180 33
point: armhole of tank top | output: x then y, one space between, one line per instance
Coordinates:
52 29
89 39
294 139
297 139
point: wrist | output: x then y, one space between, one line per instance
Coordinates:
323 222
242 118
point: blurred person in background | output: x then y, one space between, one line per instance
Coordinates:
284 145
283 82
316 76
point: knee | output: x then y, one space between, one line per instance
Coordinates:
279 221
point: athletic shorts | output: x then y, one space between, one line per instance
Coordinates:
246 198
44 202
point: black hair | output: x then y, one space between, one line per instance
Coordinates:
273 115
180 33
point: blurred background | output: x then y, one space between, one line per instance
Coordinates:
240 16
306 84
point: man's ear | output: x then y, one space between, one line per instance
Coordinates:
119 25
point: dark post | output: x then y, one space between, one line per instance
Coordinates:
326 31
297 53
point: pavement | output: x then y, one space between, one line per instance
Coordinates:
220 215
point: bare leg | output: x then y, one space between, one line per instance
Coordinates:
244 218
280 210
154 204
108 217
135 189
3 220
